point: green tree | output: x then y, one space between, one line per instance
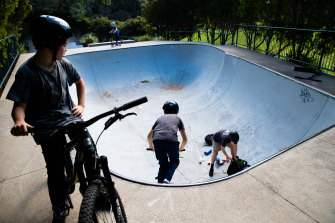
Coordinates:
270 13
171 15
218 16
228 19
6 9
207 12
12 13
16 19
133 27
247 12
79 13
301 14
113 9
101 27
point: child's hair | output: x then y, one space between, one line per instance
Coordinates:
171 107
234 136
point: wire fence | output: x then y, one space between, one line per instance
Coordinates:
10 51
311 48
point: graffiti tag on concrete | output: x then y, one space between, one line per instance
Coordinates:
305 95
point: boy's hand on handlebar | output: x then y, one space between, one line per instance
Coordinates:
20 128
78 111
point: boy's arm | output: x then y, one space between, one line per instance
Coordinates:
78 110
234 151
18 115
184 141
225 153
151 146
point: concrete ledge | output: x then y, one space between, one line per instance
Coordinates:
109 43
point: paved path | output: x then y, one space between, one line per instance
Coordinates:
296 186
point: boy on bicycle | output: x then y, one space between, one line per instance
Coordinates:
163 140
41 97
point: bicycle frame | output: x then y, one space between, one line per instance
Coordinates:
75 170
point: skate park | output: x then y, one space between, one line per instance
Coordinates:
285 125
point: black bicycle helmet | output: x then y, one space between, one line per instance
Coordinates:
49 32
171 107
234 137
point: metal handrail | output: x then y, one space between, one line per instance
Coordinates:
9 53
317 53
279 27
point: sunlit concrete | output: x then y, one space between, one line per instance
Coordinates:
295 186
215 90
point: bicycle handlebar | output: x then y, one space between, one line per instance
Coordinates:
115 110
133 103
94 119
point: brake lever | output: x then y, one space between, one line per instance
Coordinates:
131 113
116 117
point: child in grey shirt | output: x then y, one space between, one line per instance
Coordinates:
163 140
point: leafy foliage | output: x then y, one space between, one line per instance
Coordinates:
134 27
101 27
170 15
12 13
89 38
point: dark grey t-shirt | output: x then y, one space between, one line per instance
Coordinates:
46 94
222 137
166 127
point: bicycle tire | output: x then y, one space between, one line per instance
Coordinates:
96 205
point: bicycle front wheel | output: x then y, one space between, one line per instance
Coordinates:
97 206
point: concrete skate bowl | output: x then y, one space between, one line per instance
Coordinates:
214 90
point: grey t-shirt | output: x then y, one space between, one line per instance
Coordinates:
222 137
46 94
166 127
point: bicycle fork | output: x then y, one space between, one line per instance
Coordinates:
109 181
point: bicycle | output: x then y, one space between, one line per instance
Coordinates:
101 202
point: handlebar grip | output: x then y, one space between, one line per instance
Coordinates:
134 103
31 129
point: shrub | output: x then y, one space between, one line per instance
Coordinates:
89 38
133 27
101 27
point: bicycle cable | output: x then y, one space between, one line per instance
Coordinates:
96 143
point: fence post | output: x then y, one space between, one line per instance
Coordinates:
238 29
255 30
323 50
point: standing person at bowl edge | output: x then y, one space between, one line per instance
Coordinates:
41 97
222 139
115 33
163 139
